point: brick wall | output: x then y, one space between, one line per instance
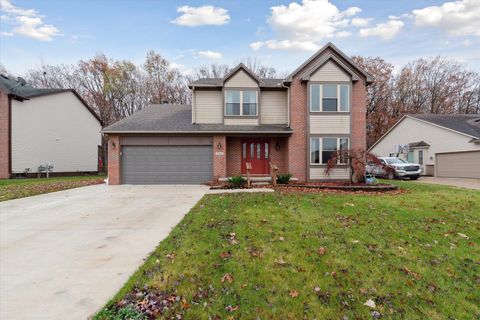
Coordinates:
297 148
219 157
358 113
114 160
234 157
279 157
359 121
4 137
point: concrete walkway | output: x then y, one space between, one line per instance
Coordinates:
455 182
63 255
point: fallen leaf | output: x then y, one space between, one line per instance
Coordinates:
463 235
225 255
281 238
227 277
230 308
280 262
347 204
293 293
185 304
321 251
411 273
316 289
370 303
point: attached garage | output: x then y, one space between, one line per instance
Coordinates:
166 160
464 164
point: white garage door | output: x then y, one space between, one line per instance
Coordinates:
172 164
458 164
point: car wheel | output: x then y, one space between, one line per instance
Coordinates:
414 178
391 175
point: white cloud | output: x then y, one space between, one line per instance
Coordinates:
26 22
457 18
386 31
198 16
301 26
289 45
210 54
360 22
312 20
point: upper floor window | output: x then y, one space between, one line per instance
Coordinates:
329 97
241 102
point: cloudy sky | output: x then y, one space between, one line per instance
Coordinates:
279 33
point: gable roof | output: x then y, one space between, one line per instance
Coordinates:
369 78
239 67
23 92
466 124
167 118
307 74
418 144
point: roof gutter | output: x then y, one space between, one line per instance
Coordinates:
197 132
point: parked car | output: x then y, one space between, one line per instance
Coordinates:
393 167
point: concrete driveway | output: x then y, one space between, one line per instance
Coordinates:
455 182
64 254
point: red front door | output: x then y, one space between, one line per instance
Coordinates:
257 152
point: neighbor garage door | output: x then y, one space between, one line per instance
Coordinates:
172 164
458 164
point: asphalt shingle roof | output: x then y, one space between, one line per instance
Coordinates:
213 82
464 123
178 118
14 87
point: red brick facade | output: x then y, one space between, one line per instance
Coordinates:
219 157
114 148
297 144
4 136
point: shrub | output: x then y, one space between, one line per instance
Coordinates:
236 182
284 178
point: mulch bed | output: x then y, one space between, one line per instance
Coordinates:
340 187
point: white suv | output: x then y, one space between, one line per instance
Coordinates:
393 167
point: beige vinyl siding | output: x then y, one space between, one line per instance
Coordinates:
241 80
241 121
273 107
458 164
208 106
330 72
336 174
330 124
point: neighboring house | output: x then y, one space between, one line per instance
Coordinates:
445 145
45 126
295 123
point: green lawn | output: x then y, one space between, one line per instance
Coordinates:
416 255
19 188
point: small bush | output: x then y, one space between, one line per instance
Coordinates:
284 178
236 182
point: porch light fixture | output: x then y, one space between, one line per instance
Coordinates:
277 146
219 146
113 145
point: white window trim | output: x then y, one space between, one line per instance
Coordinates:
338 97
320 145
241 104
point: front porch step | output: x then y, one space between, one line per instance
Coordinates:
260 183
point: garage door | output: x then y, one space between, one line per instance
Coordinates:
166 164
458 164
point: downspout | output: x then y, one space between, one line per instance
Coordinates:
9 135
288 104
194 107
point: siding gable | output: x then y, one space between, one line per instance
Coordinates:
241 80
330 72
